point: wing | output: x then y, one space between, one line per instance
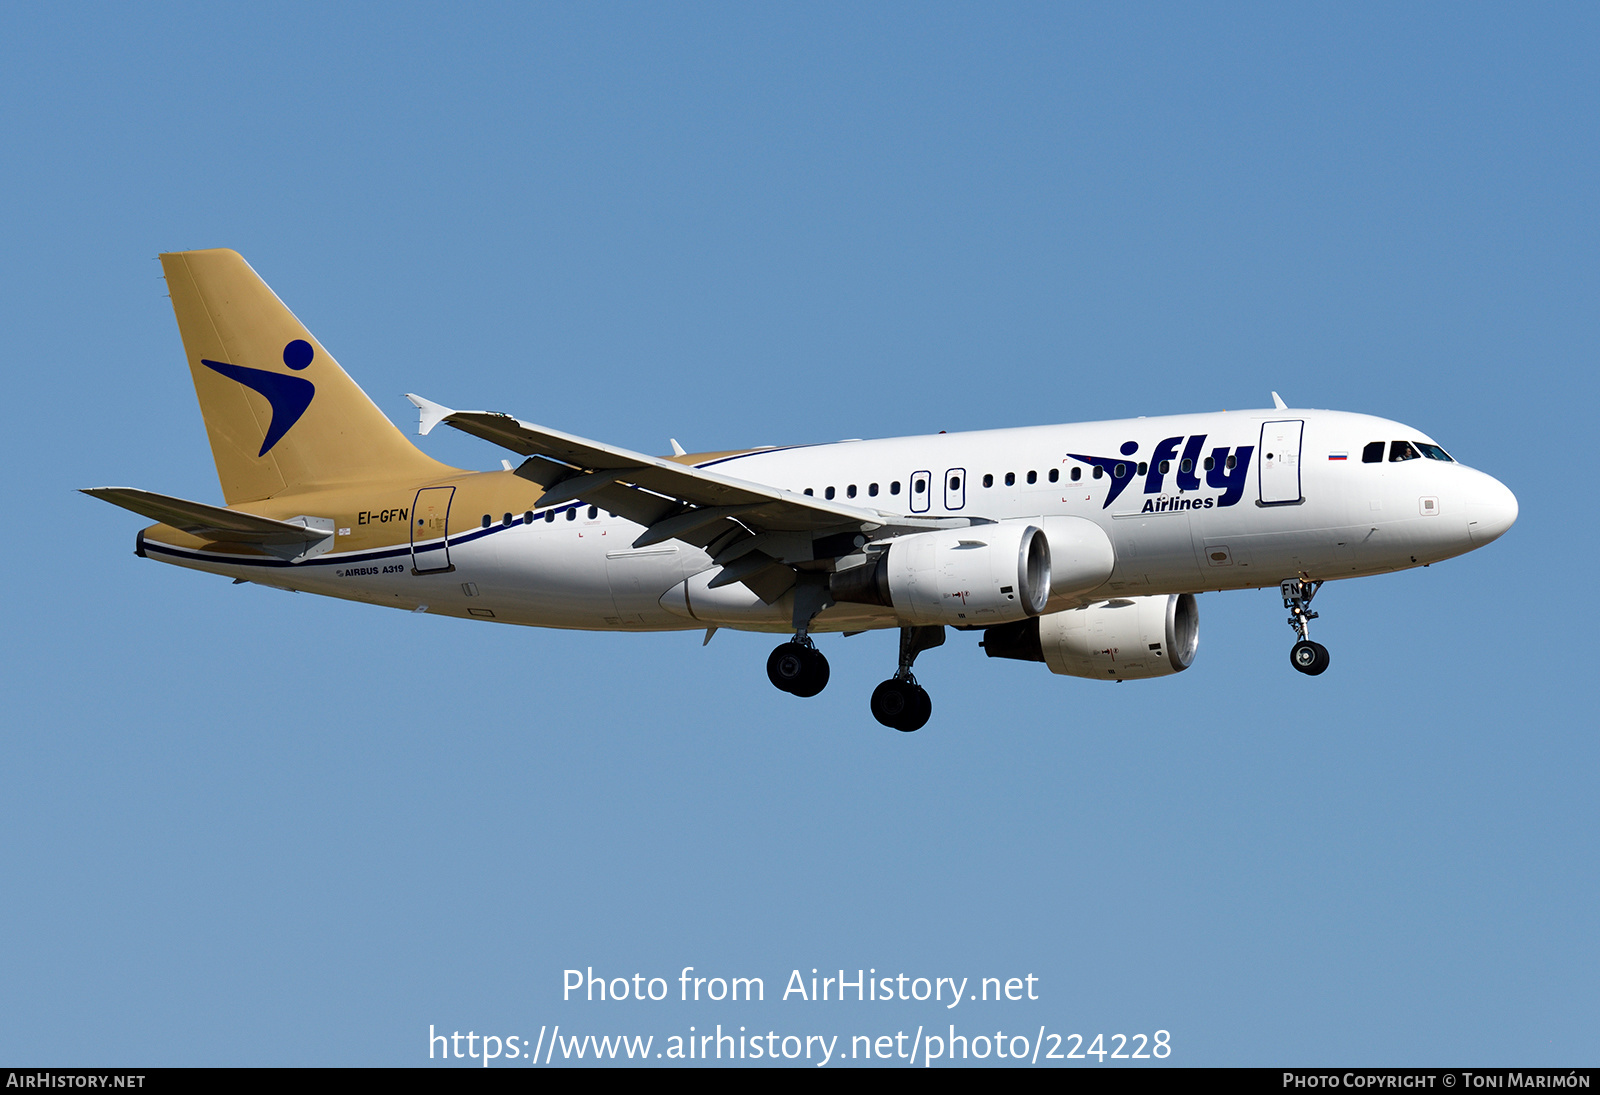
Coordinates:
758 533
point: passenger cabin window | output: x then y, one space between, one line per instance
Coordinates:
572 514
1098 471
506 520
549 516
1402 450
828 494
1077 474
955 482
872 490
1434 452
894 487
1055 474
850 491
594 511
1144 467
1011 478
486 520
988 480
1210 463
1033 477
527 518
810 493
1166 466
1372 453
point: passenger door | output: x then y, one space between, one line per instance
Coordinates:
1280 461
430 530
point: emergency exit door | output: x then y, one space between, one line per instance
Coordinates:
955 488
921 491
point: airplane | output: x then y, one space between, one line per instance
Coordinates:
1079 546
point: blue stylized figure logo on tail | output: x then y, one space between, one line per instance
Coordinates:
289 395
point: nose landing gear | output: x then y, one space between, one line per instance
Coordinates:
900 703
1308 657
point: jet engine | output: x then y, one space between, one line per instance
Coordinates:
1130 637
977 575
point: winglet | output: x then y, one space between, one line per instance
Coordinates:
677 449
430 413
1277 403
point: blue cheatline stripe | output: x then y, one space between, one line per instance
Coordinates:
757 452
345 558
342 559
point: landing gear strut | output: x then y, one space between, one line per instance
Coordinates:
900 702
798 667
1308 657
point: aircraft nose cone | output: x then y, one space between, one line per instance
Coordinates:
1491 509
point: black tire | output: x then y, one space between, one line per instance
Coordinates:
1309 658
814 677
786 666
920 711
890 702
901 705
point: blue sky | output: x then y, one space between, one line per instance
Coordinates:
244 827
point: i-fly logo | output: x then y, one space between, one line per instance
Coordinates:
1223 470
289 395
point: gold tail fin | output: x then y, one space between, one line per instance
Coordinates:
281 415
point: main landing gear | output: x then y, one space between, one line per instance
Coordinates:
798 667
1308 657
900 703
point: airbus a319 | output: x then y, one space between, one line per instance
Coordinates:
1078 546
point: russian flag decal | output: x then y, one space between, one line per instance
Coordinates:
1338 455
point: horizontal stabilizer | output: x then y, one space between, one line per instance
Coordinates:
292 540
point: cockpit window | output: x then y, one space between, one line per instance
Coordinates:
1434 452
1402 450
1372 453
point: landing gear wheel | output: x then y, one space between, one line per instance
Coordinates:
901 705
798 669
1309 657
815 677
920 712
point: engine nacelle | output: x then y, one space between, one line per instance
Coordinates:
978 575
1122 639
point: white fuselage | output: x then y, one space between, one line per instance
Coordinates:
1287 494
